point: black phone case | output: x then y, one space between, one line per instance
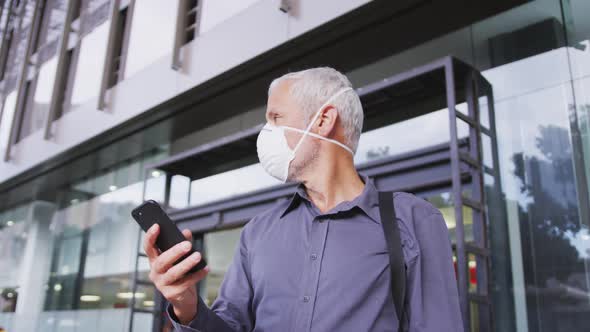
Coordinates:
149 213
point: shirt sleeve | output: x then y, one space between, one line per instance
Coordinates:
232 309
433 299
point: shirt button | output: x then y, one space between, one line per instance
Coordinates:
313 256
306 298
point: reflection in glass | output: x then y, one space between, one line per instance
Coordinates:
231 183
444 202
95 252
5 9
8 298
538 176
385 141
14 228
582 92
60 292
179 191
89 67
578 36
20 38
113 292
219 248
149 41
96 240
155 187
537 156
69 255
53 20
38 106
113 235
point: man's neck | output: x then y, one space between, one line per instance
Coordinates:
335 183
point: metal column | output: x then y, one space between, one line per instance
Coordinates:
476 303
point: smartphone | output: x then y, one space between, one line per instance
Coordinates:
149 213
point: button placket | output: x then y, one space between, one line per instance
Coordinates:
310 286
304 312
318 246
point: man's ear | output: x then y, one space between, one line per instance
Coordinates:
327 120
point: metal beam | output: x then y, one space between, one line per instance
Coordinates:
457 195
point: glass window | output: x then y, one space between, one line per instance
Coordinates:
23 33
4 16
93 5
5 10
444 202
14 228
8 297
219 249
7 320
227 184
385 141
96 250
18 47
114 292
38 106
579 53
537 160
179 191
53 20
152 33
113 232
578 33
91 57
538 176
582 92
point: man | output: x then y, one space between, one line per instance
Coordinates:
319 261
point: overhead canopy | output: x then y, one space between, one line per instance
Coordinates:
395 99
230 152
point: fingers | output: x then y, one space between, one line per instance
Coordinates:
178 271
187 234
191 279
163 262
149 243
182 287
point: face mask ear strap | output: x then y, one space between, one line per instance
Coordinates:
334 96
333 141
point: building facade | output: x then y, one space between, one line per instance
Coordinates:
104 103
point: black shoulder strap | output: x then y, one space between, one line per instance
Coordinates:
396 256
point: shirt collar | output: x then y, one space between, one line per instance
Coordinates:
367 201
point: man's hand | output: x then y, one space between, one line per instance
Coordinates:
179 289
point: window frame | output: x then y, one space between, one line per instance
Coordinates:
23 77
121 15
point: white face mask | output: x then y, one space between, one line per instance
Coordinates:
274 153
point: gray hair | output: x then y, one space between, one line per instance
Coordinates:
312 87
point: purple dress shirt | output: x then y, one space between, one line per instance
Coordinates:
296 269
